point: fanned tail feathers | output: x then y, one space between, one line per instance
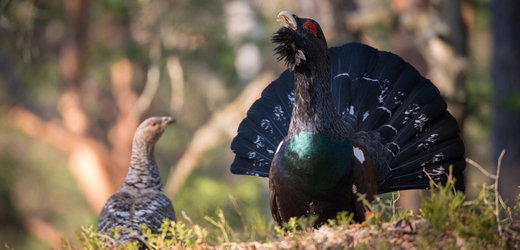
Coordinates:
398 114
265 126
381 92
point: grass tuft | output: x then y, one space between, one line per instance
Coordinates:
446 221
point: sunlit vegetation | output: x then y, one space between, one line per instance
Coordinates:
78 76
446 221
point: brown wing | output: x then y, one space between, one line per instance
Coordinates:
273 203
365 180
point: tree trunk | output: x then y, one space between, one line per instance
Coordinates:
505 73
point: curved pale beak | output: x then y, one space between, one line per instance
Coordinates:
168 120
286 19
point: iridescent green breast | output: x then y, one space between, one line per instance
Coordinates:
312 162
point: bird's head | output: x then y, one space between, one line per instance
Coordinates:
152 128
299 39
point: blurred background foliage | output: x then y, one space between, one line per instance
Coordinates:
79 75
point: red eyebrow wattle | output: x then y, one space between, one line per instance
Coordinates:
312 26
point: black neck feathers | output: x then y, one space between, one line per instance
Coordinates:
313 109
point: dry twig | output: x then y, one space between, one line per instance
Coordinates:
114 242
188 219
394 201
427 174
470 161
496 192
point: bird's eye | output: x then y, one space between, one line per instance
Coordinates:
153 123
310 27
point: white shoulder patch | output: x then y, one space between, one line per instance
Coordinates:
358 153
278 148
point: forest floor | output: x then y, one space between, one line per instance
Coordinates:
447 220
404 234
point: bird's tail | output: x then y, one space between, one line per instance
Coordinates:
399 114
379 92
265 126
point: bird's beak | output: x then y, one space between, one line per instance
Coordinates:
286 19
168 120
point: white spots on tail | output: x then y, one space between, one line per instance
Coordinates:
436 158
259 141
410 111
342 74
384 88
385 109
266 125
291 98
398 98
428 142
359 154
365 115
435 173
351 110
270 151
420 122
252 173
354 189
258 161
279 114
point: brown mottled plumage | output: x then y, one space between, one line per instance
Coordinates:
140 199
